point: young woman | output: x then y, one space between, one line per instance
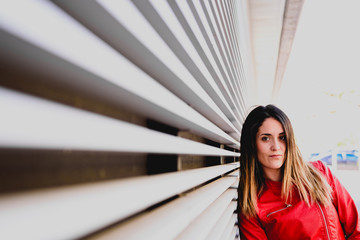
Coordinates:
280 195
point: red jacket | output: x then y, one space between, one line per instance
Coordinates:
277 220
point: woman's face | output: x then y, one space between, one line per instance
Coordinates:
271 147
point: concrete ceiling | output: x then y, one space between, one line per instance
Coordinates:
273 25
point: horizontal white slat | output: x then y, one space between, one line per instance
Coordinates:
132 34
31 122
233 233
201 226
231 41
229 230
212 42
235 230
220 40
180 42
186 11
75 211
224 38
235 174
221 48
227 49
167 221
203 24
234 37
222 222
228 18
208 35
203 76
241 42
226 24
225 32
77 45
236 184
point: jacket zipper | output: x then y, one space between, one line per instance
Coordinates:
323 215
287 206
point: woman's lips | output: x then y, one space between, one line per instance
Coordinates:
276 155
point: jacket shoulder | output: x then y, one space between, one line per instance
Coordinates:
324 170
319 165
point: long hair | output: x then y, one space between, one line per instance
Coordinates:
296 173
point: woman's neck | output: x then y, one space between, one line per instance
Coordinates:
273 175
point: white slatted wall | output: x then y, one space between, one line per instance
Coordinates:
121 119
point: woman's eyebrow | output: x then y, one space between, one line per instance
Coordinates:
266 134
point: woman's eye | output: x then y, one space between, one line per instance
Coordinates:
283 138
265 138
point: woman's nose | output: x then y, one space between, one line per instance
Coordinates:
275 146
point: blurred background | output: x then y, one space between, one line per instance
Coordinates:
321 87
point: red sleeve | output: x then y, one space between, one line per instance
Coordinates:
250 229
343 202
